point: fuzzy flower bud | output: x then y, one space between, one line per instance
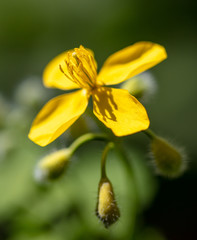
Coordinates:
52 165
107 210
31 92
168 160
143 86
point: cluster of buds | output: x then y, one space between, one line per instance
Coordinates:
54 165
168 161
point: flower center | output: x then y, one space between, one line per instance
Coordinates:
81 67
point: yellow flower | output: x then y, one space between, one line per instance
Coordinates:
116 108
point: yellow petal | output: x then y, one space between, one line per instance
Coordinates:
57 116
131 61
119 111
54 78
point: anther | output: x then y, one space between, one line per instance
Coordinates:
80 68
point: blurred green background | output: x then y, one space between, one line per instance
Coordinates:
31 34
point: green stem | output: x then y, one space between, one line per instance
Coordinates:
103 159
150 133
86 138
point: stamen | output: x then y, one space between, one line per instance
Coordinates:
61 69
81 67
88 74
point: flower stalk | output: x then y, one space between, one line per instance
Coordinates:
109 146
54 164
107 209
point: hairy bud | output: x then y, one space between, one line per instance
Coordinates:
168 160
107 210
142 86
52 165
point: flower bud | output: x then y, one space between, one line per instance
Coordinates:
107 210
142 86
31 92
168 160
52 165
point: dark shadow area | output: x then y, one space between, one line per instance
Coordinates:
174 210
103 103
